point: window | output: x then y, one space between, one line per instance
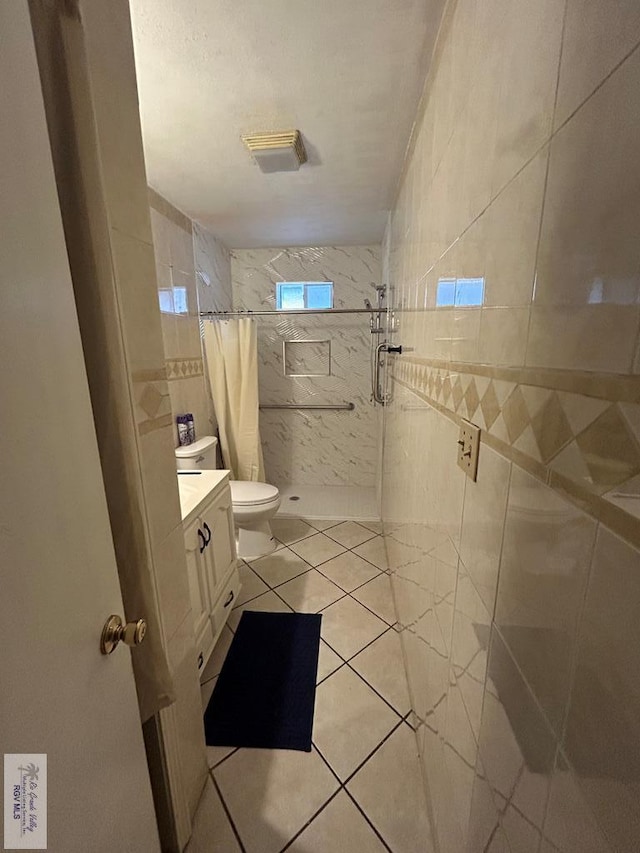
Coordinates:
173 300
461 292
304 295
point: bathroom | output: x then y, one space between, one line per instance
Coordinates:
473 191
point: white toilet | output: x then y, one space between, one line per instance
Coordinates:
253 503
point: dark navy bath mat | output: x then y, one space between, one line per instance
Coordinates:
266 691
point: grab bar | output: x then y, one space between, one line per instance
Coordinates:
384 347
318 406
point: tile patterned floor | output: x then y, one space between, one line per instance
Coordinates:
360 788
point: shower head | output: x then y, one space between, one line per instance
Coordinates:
368 305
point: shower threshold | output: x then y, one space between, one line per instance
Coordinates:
344 502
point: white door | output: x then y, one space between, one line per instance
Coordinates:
58 581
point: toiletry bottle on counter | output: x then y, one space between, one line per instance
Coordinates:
191 428
183 430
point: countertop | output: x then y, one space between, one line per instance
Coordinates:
195 486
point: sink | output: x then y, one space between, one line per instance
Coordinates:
195 486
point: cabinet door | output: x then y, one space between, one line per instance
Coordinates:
200 602
220 553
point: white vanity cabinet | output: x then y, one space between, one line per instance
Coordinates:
214 583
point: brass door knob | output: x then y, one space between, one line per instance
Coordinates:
115 630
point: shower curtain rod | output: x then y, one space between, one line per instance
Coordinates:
224 314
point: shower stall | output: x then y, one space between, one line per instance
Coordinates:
319 420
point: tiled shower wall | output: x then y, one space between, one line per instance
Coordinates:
302 447
191 265
518 594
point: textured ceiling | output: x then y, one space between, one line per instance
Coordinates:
346 73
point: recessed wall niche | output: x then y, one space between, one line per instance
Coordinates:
306 358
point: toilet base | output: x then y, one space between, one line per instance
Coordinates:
255 541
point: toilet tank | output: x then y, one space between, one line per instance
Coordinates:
201 455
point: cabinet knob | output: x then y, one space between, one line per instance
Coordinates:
207 530
203 541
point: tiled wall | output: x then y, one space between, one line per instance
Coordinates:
181 247
516 594
213 271
304 447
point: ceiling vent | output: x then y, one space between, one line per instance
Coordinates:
281 151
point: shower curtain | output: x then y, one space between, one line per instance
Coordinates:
231 349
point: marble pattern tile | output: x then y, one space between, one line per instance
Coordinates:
328 448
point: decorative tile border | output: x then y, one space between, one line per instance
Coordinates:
585 446
152 404
149 375
184 368
616 387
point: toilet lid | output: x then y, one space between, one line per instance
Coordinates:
245 492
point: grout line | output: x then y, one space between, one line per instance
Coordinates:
310 821
333 650
352 798
373 751
368 820
342 663
377 692
487 846
222 760
545 185
357 545
228 813
370 643
610 74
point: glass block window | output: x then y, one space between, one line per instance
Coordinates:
304 295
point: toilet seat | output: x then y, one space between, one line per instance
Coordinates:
252 493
